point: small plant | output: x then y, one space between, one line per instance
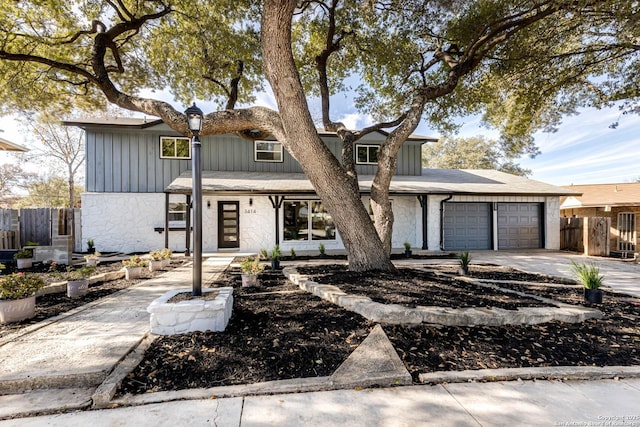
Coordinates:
321 248
94 255
19 285
32 244
166 253
23 254
251 265
588 275
2 266
91 246
275 254
70 273
464 259
135 261
293 253
264 254
156 255
407 246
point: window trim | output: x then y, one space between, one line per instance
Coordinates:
276 144
310 238
177 223
368 147
175 138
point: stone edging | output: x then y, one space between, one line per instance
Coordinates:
398 314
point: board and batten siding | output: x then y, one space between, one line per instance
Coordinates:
128 161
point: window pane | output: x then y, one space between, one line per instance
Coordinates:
323 227
296 221
373 154
168 147
266 156
362 154
182 148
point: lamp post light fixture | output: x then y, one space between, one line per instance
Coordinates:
195 118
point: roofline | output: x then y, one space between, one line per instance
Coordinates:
12 146
88 123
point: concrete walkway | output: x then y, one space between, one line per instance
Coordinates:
61 362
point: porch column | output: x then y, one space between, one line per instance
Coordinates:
166 220
277 204
423 198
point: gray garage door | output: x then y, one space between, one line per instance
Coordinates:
519 225
467 226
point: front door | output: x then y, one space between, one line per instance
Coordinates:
228 225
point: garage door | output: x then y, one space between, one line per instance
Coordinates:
519 225
467 226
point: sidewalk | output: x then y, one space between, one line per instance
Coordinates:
66 359
515 403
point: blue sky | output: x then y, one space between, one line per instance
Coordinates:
584 150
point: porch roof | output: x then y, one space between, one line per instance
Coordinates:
432 181
11 146
600 195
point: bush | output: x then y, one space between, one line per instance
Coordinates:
19 285
588 275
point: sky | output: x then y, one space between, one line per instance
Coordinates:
584 149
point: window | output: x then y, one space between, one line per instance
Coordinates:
268 151
367 154
306 220
626 231
175 148
177 214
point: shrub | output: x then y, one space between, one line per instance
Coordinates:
588 275
19 285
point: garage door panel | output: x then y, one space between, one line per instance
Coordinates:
519 225
467 226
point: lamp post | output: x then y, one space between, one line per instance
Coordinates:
194 117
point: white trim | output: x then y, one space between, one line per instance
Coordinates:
274 144
368 146
175 140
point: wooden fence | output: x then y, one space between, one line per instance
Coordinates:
17 227
586 235
8 240
35 226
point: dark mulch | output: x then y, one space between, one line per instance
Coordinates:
494 272
411 288
51 305
276 332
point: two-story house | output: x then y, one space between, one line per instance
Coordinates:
138 193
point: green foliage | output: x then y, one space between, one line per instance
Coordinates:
19 285
264 254
275 253
587 274
469 153
135 261
407 246
464 259
50 193
2 266
29 243
23 254
91 245
293 253
321 248
251 266
166 253
71 273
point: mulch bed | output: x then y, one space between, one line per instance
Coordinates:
51 305
279 332
411 288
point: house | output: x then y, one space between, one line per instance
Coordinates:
620 202
138 196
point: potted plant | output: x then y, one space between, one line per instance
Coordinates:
589 276
18 296
92 259
133 267
274 256
166 257
407 249
250 268
157 261
24 258
464 259
91 246
322 250
77 280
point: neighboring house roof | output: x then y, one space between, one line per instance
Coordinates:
596 195
432 181
146 122
10 146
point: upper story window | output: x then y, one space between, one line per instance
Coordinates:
367 154
172 147
267 151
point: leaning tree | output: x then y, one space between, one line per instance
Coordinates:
522 64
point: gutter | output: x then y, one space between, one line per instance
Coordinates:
442 202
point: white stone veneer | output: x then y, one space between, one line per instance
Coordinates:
191 315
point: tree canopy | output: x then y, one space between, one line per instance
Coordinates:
521 64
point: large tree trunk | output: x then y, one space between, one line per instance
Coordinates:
338 190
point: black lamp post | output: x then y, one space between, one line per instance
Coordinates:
194 117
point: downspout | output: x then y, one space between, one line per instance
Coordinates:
442 202
423 198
